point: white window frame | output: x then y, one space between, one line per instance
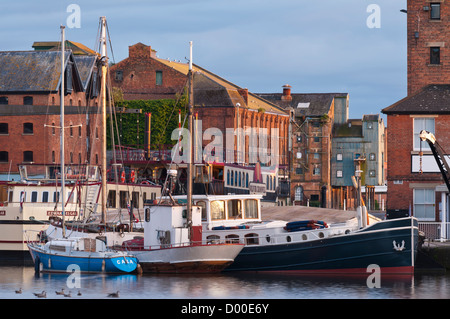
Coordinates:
428 203
419 124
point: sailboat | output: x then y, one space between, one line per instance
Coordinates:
172 240
89 254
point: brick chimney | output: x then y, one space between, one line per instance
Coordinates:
244 94
286 93
141 51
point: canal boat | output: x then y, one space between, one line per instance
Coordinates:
306 246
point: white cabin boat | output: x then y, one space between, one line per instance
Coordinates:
171 245
31 207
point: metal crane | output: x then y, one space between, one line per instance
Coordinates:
439 155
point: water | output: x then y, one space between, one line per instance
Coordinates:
230 286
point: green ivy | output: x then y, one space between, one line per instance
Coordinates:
164 119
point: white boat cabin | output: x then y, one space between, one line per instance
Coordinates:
69 245
166 225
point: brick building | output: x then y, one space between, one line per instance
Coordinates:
428 34
30 108
426 107
142 76
314 117
217 102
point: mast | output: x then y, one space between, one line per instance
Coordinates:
190 144
104 61
63 175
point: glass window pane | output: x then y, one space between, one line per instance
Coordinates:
251 208
217 209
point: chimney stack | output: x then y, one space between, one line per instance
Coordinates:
244 94
286 93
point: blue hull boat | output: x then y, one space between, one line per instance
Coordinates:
86 254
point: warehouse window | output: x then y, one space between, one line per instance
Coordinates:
159 78
4 128
435 11
27 128
28 156
435 55
27 100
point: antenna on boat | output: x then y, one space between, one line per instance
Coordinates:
63 175
190 126
104 64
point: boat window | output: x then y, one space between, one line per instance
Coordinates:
251 239
213 239
251 208
202 205
147 214
232 239
34 196
217 209
234 209
56 197
44 197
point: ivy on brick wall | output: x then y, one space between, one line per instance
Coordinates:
164 119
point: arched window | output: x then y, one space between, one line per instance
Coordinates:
232 239
213 239
251 239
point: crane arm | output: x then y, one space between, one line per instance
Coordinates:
439 155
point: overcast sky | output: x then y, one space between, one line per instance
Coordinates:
315 46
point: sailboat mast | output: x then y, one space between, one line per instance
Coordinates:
104 60
63 175
190 126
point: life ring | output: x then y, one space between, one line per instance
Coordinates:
122 177
132 176
145 183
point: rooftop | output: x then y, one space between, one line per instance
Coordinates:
432 99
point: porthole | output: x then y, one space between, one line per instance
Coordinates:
321 235
304 237
268 238
288 239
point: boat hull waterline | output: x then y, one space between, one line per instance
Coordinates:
188 259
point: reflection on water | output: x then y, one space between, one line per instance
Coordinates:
222 286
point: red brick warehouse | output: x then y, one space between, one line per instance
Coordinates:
30 109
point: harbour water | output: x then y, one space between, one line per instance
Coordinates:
230 286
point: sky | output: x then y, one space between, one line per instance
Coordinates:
330 46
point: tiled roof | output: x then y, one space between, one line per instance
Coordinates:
212 90
76 47
308 104
32 71
433 99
